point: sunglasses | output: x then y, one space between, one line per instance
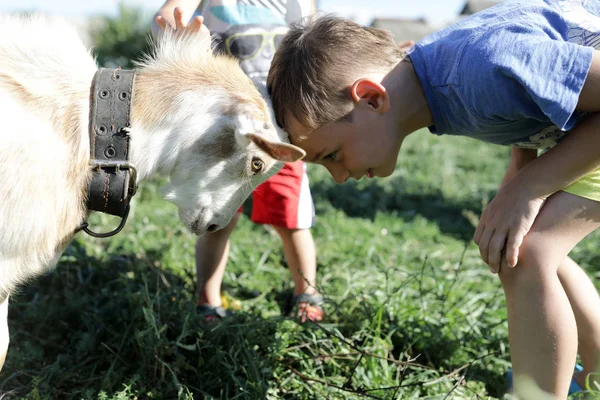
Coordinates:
246 46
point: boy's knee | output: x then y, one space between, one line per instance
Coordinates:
534 264
284 232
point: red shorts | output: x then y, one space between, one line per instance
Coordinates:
284 199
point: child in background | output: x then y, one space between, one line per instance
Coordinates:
250 30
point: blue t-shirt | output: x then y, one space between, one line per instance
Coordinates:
511 74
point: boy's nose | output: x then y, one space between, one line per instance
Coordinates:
339 174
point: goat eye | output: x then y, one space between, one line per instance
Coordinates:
257 165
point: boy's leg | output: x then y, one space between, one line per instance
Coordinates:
212 252
542 328
4 337
300 254
284 201
585 303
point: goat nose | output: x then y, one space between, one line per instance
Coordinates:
212 227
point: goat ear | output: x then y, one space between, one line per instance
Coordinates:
279 151
242 139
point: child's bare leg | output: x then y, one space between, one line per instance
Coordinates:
3 330
212 253
542 328
585 303
300 254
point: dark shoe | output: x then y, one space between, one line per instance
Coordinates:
307 307
210 313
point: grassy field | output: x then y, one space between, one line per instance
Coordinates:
412 312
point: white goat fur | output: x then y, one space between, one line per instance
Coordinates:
196 117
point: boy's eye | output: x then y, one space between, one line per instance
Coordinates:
330 156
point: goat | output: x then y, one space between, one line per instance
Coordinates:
196 117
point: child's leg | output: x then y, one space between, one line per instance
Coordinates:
585 303
4 339
285 202
542 328
212 252
300 254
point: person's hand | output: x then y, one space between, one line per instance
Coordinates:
407 44
195 25
505 222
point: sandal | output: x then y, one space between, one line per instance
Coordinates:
308 307
574 388
211 313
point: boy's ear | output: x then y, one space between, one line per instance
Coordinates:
373 92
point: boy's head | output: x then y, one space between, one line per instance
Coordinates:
325 84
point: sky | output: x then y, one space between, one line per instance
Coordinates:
362 11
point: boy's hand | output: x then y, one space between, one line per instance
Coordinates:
504 223
195 25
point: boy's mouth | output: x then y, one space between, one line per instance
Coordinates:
369 173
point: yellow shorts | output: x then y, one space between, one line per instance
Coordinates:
587 187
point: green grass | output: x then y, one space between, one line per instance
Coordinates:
412 312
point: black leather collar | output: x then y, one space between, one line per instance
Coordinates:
113 181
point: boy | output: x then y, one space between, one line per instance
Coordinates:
250 30
524 75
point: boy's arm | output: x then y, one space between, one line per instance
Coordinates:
176 13
518 159
579 153
510 215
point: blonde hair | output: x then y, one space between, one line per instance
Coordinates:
316 63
